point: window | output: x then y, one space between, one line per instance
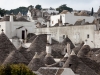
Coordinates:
63 36
70 65
88 36
52 22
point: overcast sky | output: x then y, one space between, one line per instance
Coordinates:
75 4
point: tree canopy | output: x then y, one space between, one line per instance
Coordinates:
39 7
92 12
64 7
15 69
2 12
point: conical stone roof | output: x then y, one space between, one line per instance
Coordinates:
84 51
38 45
49 60
5 47
15 57
92 64
78 66
36 63
77 49
66 40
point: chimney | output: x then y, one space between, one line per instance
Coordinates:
68 48
49 40
36 55
48 23
11 18
66 55
85 42
60 21
83 22
72 53
97 23
48 50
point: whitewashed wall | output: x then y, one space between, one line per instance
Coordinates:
76 33
2 26
11 28
68 71
97 39
70 18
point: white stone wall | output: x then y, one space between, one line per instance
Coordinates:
2 26
97 39
68 71
51 11
77 34
10 28
70 18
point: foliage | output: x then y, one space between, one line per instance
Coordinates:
92 12
64 7
2 12
18 69
23 10
38 7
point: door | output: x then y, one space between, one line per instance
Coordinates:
23 34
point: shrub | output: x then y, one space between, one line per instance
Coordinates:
15 69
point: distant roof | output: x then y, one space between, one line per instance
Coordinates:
5 47
22 19
7 18
64 12
98 11
83 13
78 22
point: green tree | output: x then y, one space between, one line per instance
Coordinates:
18 69
92 12
64 7
2 12
38 7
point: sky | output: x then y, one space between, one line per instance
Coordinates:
75 4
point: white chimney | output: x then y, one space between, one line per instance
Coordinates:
48 49
68 48
11 18
66 55
83 22
97 22
85 42
49 40
72 53
48 24
60 21
36 55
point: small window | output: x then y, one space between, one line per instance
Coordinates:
52 22
70 65
88 36
63 36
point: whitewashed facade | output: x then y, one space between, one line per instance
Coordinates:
70 18
18 29
77 34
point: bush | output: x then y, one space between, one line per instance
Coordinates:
15 69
